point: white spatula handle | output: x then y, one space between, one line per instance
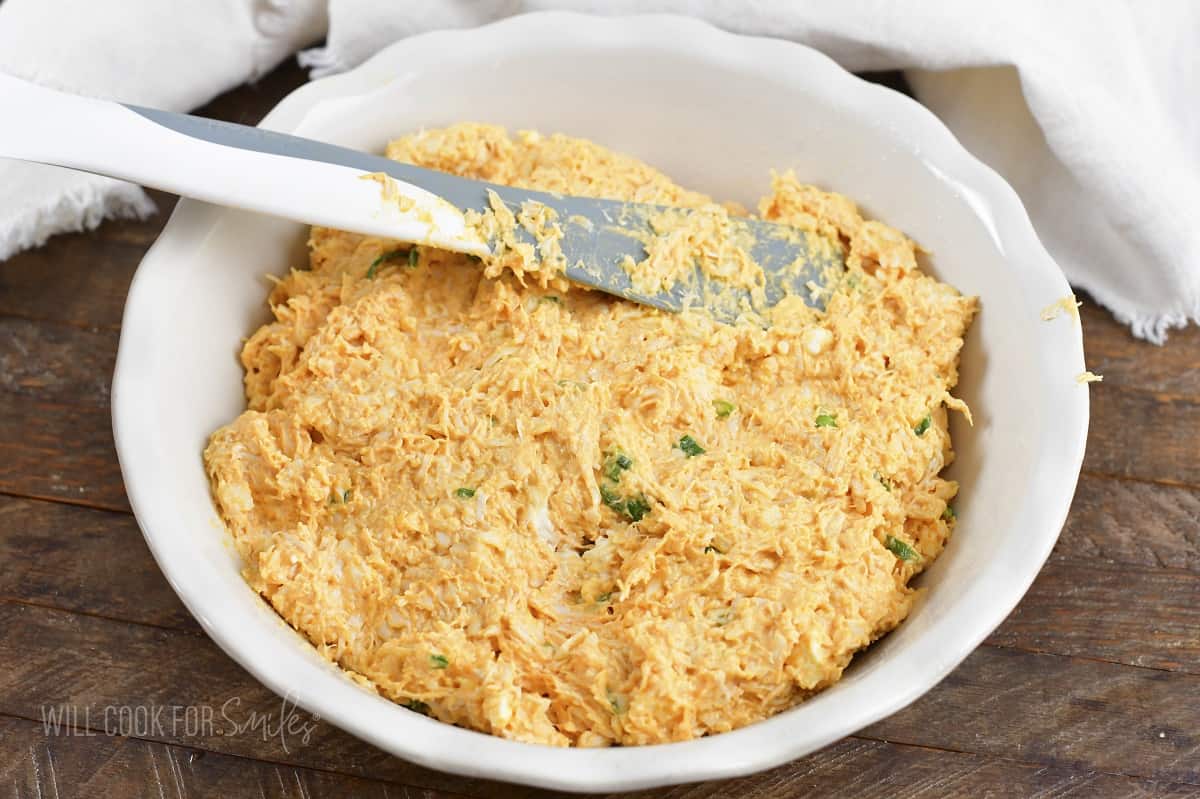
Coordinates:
107 138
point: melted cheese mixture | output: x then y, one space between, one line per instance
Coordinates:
552 515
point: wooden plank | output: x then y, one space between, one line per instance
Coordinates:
84 560
59 451
1131 608
1134 434
1061 712
1126 361
1053 711
1144 435
36 764
1114 612
75 573
123 666
868 769
1149 524
56 362
1121 585
80 278
1147 436
1141 524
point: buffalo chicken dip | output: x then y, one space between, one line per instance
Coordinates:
546 513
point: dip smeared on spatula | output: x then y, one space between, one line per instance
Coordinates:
670 257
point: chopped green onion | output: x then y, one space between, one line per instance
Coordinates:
607 595
723 407
414 257
948 514
346 495
612 499
615 463
691 447
389 256
710 548
900 549
923 425
883 481
417 706
439 661
464 492
632 508
637 507
551 298
826 420
618 703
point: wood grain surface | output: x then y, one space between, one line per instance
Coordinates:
1090 688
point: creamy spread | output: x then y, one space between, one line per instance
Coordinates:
557 516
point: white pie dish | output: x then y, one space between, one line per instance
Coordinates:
716 112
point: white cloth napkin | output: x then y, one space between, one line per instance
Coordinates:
1089 109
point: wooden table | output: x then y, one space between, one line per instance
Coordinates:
1090 688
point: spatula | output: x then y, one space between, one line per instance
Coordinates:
322 184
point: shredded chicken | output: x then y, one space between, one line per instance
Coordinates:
552 515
